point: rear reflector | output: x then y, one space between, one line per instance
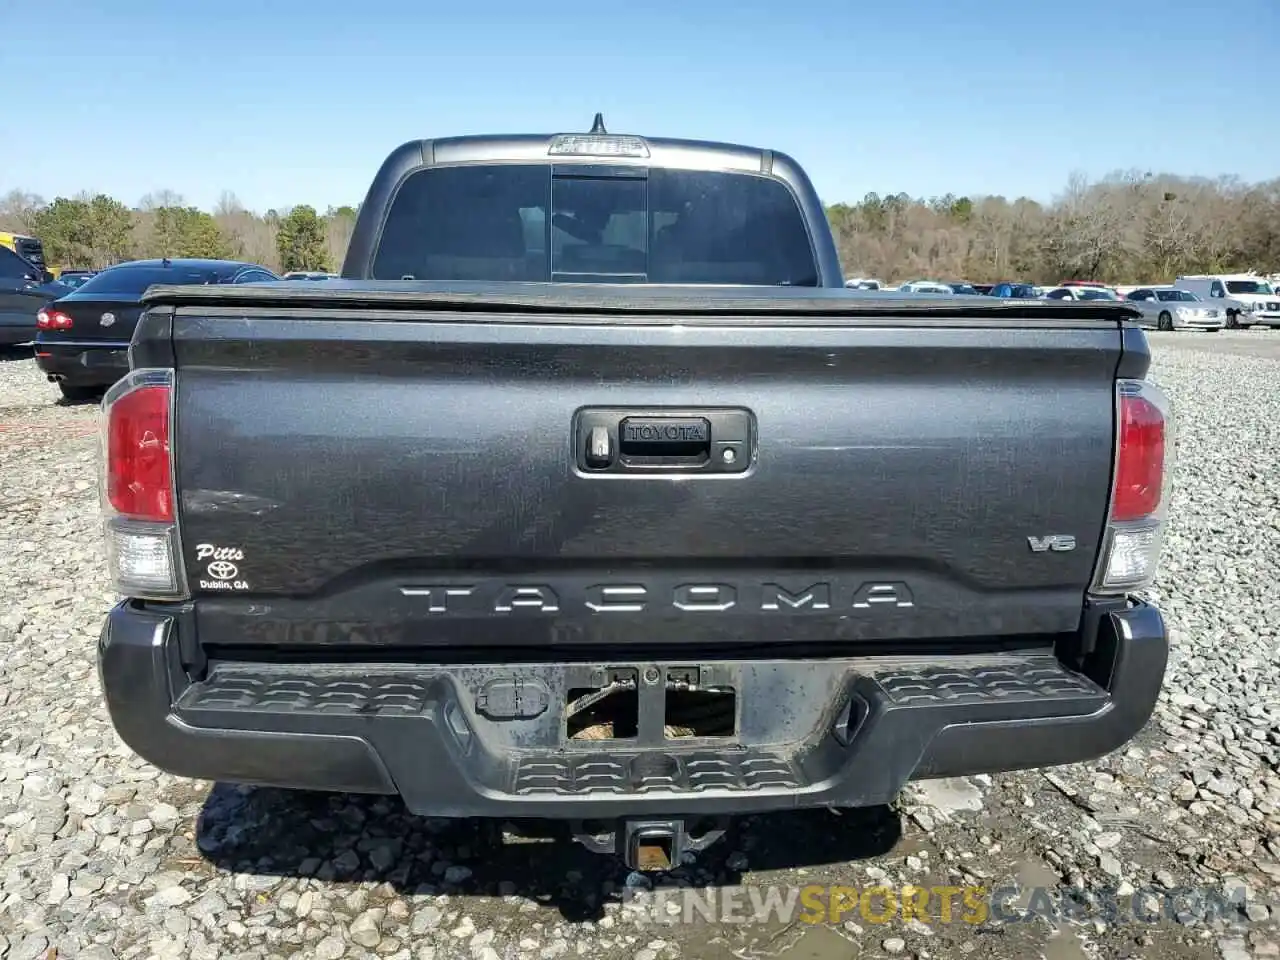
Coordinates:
141 560
137 487
1139 493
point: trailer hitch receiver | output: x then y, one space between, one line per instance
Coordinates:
651 846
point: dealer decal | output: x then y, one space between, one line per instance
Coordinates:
222 571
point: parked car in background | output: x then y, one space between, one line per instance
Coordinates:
309 275
863 283
1168 308
1015 291
983 289
965 289
23 291
82 338
925 286
1087 285
1080 293
75 278
1247 299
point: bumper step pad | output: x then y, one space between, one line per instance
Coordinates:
918 696
491 740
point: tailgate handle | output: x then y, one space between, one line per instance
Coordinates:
652 441
664 441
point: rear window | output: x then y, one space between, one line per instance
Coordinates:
521 222
1174 295
134 280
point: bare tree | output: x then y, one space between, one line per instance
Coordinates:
18 210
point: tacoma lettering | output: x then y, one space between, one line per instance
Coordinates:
816 597
710 598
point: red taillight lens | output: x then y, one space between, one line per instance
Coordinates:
1141 459
139 481
48 319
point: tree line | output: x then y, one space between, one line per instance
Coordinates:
1131 227
95 231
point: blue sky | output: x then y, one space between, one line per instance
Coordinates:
288 102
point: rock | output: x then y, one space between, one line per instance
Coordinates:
366 928
1105 841
424 919
29 948
894 945
169 897
1110 866
164 814
85 884
382 857
948 796
1223 787
464 930
346 862
59 889
330 948
457 874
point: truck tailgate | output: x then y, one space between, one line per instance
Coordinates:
409 478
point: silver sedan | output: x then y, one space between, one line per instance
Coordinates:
1079 293
1168 308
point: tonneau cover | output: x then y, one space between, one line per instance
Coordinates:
623 299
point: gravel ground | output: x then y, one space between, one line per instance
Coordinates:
102 856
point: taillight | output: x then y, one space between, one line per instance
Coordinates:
139 484
47 319
137 487
1139 460
1139 490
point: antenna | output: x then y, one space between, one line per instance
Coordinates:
597 125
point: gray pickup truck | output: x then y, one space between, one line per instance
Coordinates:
589 493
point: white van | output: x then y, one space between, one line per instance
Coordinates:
1255 299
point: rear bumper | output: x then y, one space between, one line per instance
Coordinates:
487 740
83 363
